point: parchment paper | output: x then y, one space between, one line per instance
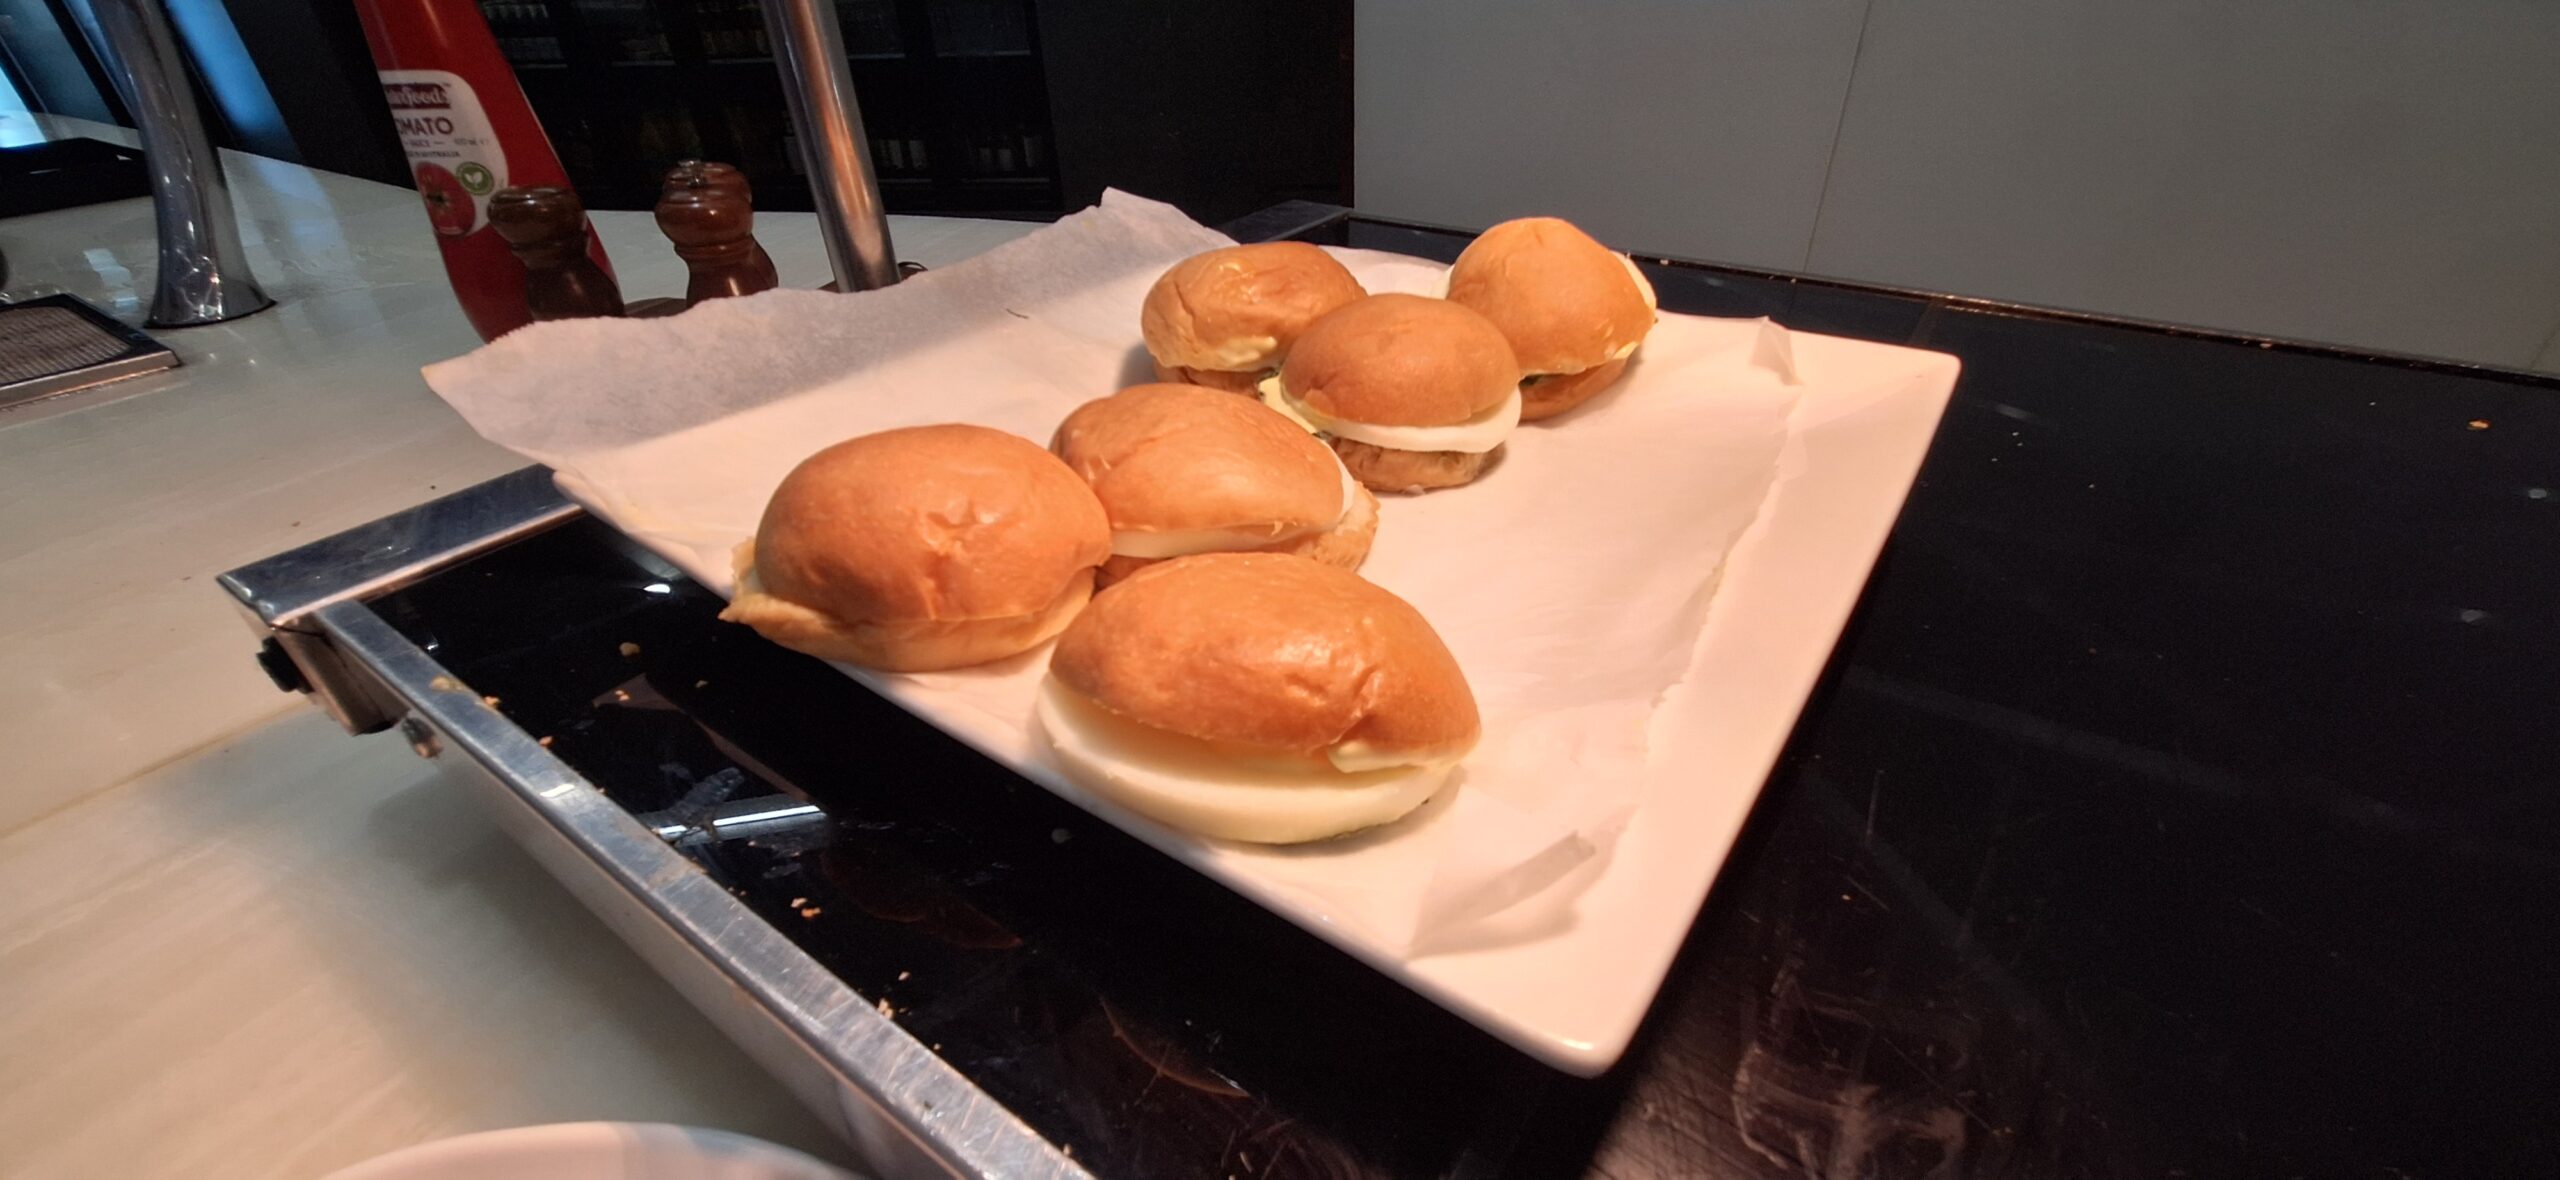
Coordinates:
1571 580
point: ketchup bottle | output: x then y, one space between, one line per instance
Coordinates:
469 132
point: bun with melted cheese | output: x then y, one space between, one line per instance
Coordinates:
1413 393
1224 319
1182 469
1572 310
923 548
1257 697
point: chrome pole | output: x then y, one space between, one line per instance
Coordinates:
204 275
808 47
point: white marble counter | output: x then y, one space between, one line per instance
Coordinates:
234 941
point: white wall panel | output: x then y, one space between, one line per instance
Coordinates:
1698 129
2376 172
2550 362
2383 173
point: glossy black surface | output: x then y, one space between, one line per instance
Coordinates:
66 173
1129 1008
2181 801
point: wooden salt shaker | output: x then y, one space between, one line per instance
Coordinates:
706 210
547 229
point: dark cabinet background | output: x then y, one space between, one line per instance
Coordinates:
952 92
1015 108
1220 107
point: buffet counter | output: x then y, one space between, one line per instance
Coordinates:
232 940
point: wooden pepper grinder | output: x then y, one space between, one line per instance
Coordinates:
547 229
706 210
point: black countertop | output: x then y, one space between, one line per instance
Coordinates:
2184 799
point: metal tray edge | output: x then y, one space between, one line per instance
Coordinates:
902 1106
385 554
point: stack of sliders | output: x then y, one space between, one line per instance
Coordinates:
1231 677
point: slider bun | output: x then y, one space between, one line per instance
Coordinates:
1173 458
1564 301
1555 395
1390 470
1240 308
922 548
1266 653
1245 381
1401 360
1344 546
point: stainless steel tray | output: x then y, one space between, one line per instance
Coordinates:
902 1107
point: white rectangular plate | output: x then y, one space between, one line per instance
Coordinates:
1574 999
1574 995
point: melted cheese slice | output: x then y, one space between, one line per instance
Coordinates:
1240 354
1185 542
1184 784
1474 436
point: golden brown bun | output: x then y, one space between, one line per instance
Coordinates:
1563 301
915 548
1344 546
1175 458
1272 653
1391 470
1401 360
1554 395
1246 381
1240 308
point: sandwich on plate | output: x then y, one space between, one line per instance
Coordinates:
1256 697
1413 393
922 548
1225 319
1573 311
1184 469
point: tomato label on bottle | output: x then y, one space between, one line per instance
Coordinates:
453 151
